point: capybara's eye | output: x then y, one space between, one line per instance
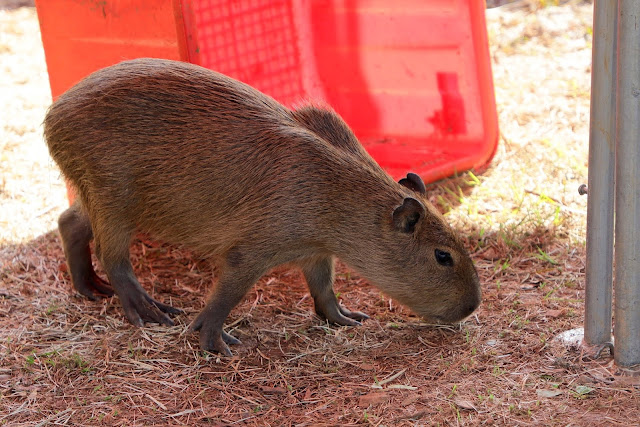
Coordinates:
444 258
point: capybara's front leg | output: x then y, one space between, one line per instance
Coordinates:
238 275
228 293
319 273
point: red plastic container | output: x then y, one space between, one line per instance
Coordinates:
411 77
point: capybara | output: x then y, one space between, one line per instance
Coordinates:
194 158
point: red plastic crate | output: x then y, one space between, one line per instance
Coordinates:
411 77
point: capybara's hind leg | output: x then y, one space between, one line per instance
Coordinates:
138 306
75 231
319 274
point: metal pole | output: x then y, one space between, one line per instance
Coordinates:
599 271
627 222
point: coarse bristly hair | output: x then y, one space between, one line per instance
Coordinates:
195 158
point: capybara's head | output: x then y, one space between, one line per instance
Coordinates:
421 262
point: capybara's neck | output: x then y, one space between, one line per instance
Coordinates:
355 200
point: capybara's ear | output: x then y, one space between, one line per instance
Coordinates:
407 216
413 182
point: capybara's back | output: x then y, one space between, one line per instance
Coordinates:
161 144
195 158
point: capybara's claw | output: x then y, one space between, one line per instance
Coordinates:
215 343
230 339
220 347
94 287
148 314
141 308
337 314
345 321
356 315
164 307
340 319
101 286
213 339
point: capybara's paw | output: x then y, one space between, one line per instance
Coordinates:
356 315
213 342
212 338
139 308
94 287
337 314
164 307
230 339
342 320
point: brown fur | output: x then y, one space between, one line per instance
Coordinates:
198 159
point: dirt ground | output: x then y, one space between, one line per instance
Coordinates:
68 361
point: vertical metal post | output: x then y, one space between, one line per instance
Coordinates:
599 269
627 222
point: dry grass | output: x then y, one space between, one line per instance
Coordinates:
67 361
